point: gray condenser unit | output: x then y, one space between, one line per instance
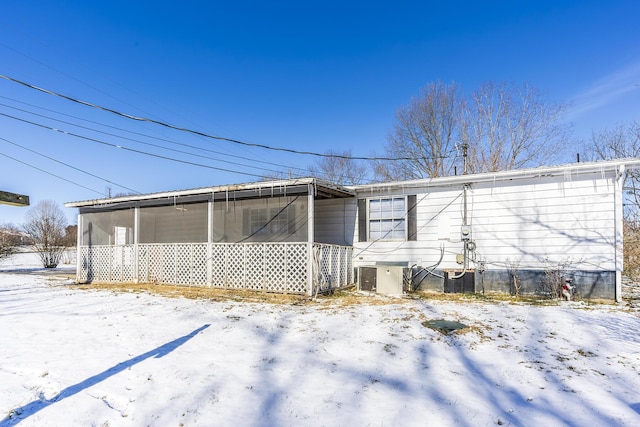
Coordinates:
383 279
390 279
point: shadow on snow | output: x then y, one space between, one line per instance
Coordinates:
19 414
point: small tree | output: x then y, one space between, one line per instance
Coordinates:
71 236
9 240
339 168
512 268
555 273
45 224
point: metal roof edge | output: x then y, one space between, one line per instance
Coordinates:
346 191
515 174
214 189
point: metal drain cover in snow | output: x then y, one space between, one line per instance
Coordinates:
444 326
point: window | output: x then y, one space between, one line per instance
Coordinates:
280 221
392 218
270 221
387 219
258 221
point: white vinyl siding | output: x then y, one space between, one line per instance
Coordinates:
526 221
335 221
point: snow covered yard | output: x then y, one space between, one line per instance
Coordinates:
71 357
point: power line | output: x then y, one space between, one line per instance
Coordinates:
127 148
274 173
139 134
69 166
138 141
194 132
104 76
52 174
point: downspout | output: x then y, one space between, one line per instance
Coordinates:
618 232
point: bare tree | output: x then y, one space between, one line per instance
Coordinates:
10 238
45 224
619 142
509 127
339 168
71 235
426 131
503 126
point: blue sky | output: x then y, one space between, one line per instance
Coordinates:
301 75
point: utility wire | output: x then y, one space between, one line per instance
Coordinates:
194 132
52 174
129 149
69 166
138 141
106 77
306 171
272 173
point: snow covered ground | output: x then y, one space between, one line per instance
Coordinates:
71 357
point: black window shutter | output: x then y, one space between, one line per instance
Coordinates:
362 220
412 218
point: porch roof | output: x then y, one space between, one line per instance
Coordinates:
292 187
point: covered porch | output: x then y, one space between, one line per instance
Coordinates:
259 236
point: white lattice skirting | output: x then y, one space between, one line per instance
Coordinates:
272 267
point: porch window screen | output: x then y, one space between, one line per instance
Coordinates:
174 224
107 228
269 221
387 219
275 219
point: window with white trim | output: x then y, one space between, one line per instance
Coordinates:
387 219
270 221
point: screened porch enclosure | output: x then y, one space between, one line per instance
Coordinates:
272 267
217 240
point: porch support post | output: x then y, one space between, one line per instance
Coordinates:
210 241
136 241
79 262
310 238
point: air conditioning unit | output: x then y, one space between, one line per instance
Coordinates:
389 279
